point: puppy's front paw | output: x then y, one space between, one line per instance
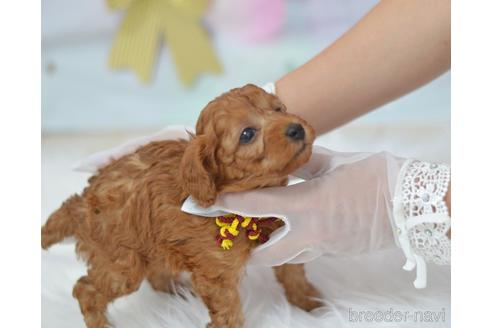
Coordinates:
306 298
309 304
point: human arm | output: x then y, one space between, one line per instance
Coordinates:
397 47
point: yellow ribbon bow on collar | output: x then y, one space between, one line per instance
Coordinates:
148 22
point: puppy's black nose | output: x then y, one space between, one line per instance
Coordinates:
295 131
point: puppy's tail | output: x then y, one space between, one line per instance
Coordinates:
63 222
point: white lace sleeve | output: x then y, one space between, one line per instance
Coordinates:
421 218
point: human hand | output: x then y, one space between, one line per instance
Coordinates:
343 207
351 203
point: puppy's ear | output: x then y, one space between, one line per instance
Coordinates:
198 169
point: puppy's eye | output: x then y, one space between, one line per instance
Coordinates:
278 109
247 135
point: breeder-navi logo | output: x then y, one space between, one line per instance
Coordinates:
392 315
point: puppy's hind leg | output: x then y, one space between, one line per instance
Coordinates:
298 289
92 303
220 294
99 288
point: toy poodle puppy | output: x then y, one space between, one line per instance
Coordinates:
128 222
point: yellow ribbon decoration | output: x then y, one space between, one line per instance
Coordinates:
232 228
148 22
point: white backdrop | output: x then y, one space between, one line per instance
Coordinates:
80 93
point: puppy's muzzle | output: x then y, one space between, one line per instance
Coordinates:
295 132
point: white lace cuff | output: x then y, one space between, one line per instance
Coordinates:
421 218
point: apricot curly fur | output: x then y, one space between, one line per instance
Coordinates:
128 224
